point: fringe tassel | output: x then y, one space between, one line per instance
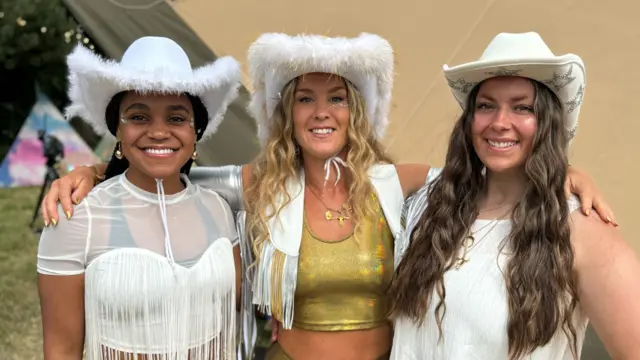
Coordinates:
137 304
276 280
248 330
275 284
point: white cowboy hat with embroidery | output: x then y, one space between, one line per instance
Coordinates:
276 58
525 55
150 65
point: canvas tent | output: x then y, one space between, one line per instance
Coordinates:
113 25
24 164
427 34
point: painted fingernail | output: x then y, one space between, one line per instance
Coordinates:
46 223
75 200
54 222
68 213
588 211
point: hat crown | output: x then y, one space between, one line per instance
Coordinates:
505 46
152 53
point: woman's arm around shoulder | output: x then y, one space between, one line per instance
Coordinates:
412 177
609 284
61 262
225 180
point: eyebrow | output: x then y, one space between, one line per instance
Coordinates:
137 106
333 89
516 98
141 106
177 108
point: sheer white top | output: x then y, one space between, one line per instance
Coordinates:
475 323
159 270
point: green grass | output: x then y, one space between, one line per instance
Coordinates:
20 327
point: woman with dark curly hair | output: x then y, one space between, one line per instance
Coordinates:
499 265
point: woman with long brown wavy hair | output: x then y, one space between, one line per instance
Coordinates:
499 265
322 200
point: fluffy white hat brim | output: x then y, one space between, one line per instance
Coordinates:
565 75
93 81
366 61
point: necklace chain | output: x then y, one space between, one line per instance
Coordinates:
469 240
342 214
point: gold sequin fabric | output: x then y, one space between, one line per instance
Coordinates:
341 284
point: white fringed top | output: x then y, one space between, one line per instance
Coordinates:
159 271
475 322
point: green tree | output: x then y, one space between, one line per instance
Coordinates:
35 38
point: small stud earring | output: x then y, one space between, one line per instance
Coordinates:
118 152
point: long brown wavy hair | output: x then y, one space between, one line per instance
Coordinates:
279 162
540 279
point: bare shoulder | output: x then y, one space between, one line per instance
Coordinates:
412 176
597 243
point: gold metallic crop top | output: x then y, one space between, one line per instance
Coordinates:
342 286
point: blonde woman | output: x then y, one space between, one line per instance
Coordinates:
322 199
500 265
149 267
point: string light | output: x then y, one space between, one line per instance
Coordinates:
77 33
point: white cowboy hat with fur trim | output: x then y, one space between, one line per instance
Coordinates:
150 64
276 58
525 55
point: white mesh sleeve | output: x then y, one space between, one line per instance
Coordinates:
221 214
227 223
63 248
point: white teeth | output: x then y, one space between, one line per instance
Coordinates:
159 151
322 131
502 144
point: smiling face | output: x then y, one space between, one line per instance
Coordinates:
504 124
320 115
156 133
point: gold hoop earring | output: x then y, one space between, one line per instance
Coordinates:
118 152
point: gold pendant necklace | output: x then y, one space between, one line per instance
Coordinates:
341 217
342 214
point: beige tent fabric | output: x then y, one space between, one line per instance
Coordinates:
427 34
114 27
